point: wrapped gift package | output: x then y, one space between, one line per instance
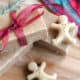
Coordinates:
33 32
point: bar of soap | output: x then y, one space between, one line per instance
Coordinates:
63 33
35 31
54 25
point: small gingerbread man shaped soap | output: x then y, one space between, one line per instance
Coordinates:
38 72
66 32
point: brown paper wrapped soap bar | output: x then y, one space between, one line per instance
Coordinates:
32 32
35 31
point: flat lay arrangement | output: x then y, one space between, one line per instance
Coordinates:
39 40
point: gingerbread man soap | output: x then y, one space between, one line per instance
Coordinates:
38 72
63 33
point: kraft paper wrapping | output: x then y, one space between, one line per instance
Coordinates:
33 32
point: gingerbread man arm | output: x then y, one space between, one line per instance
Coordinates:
59 38
32 76
49 77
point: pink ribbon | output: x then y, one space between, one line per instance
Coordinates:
75 5
19 22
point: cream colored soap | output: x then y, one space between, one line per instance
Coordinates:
65 31
38 71
62 33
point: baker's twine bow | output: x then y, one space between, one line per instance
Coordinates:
19 22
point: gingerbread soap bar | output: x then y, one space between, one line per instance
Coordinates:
63 33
